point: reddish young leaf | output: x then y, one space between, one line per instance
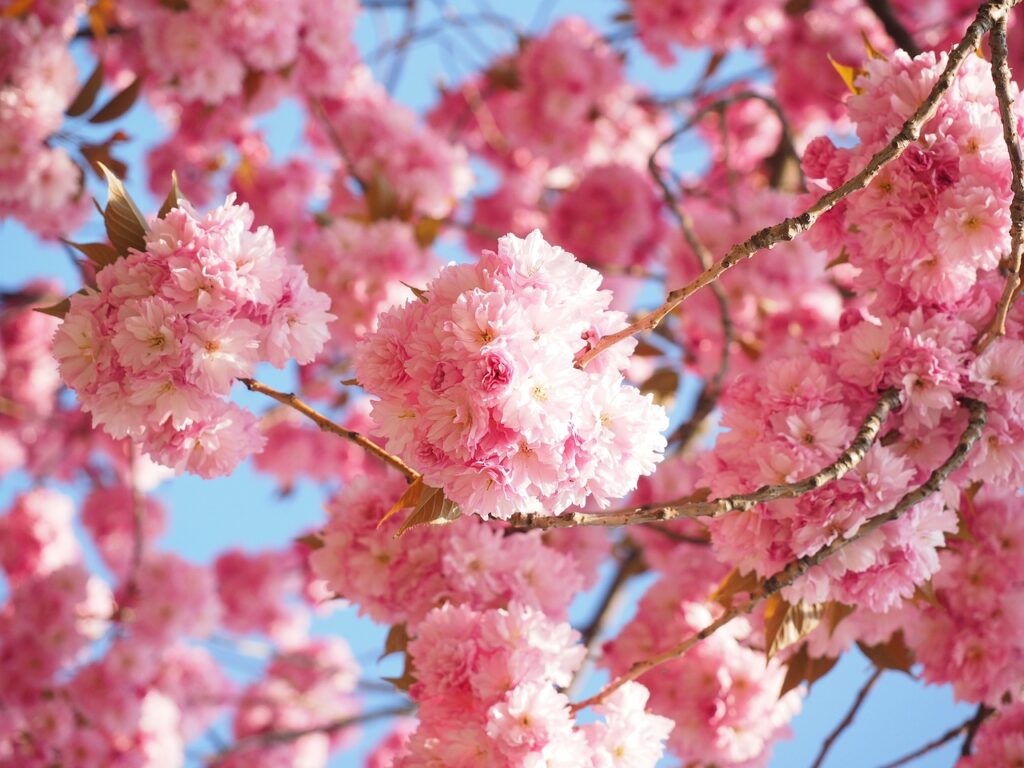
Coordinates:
119 104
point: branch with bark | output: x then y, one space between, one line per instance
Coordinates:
931 746
847 721
893 26
793 226
1001 77
290 400
271 738
978 415
654 513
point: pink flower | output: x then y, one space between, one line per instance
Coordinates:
479 389
154 349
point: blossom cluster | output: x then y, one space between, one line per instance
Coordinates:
777 305
307 43
970 635
96 674
793 38
365 269
304 689
999 741
478 388
722 695
40 184
28 375
385 146
153 350
561 104
486 684
398 581
922 299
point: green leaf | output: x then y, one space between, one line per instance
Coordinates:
173 199
86 96
126 226
119 104
99 254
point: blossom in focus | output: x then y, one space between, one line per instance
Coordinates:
478 389
153 350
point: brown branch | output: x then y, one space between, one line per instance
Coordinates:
980 716
398 62
289 399
972 432
708 398
643 666
272 738
317 108
848 720
138 527
977 418
931 746
630 565
652 513
794 226
893 26
1001 77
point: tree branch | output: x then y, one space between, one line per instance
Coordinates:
893 26
794 226
708 398
848 720
1001 77
290 400
652 513
629 566
272 738
975 425
980 716
931 746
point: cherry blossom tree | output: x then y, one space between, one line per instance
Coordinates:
774 399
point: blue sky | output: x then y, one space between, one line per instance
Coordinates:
245 509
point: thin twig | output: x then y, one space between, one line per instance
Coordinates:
972 432
271 738
1002 77
629 566
793 226
402 52
847 721
318 109
980 716
651 513
708 398
931 746
893 26
138 530
289 399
